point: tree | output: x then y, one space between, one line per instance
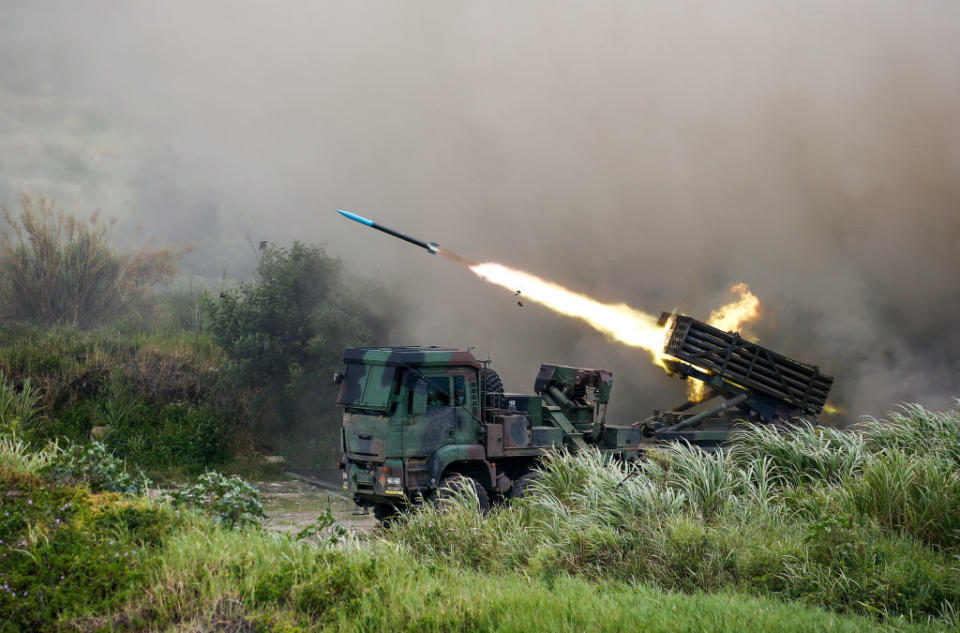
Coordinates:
285 334
58 269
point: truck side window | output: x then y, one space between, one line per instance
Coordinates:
459 391
438 392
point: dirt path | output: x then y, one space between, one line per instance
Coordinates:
292 505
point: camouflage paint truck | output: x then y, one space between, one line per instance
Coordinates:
416 419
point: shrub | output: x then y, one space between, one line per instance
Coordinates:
58 269
325 529
154 435
94 465
66 552
232 501
285 334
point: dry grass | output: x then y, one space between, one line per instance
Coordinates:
59 269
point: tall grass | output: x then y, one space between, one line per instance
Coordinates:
17 456
97 562
59 269
917 431
18 408
850 521
802 454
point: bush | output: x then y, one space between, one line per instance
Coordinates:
285 334
231 501
154 435
67 552
58 269
93 465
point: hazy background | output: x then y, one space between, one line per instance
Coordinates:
646 152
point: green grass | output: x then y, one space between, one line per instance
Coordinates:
863 523
283 585
97 562
159 397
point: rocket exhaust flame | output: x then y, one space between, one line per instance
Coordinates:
454 257
619 322
729 318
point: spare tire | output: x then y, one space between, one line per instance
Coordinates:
491 381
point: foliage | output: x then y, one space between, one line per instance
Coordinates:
325 529
861 522
18 409
95 466
158 397
232 501
152 435
917 431
66 551
244 580
58 269
78 561
285 334
18 456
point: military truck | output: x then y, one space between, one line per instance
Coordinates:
417 419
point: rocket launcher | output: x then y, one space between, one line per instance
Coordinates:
756 382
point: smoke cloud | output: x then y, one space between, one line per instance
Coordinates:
642 152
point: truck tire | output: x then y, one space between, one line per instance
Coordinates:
385 513
521 486
451 482
491 381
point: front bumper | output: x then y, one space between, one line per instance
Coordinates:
373 482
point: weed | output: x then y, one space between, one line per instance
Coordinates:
231 501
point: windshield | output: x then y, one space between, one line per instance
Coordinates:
367 387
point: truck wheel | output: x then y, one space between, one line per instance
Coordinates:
452 482
385 513
521 486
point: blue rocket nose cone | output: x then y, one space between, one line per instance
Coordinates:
355 217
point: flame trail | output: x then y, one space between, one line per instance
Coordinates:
729 318
732 316
618 321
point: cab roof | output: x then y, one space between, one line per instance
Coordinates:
411 356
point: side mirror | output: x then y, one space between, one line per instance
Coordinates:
419 406
337 377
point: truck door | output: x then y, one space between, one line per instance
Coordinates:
432 420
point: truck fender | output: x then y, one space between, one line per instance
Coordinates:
474 454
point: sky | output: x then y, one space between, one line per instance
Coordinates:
642 152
